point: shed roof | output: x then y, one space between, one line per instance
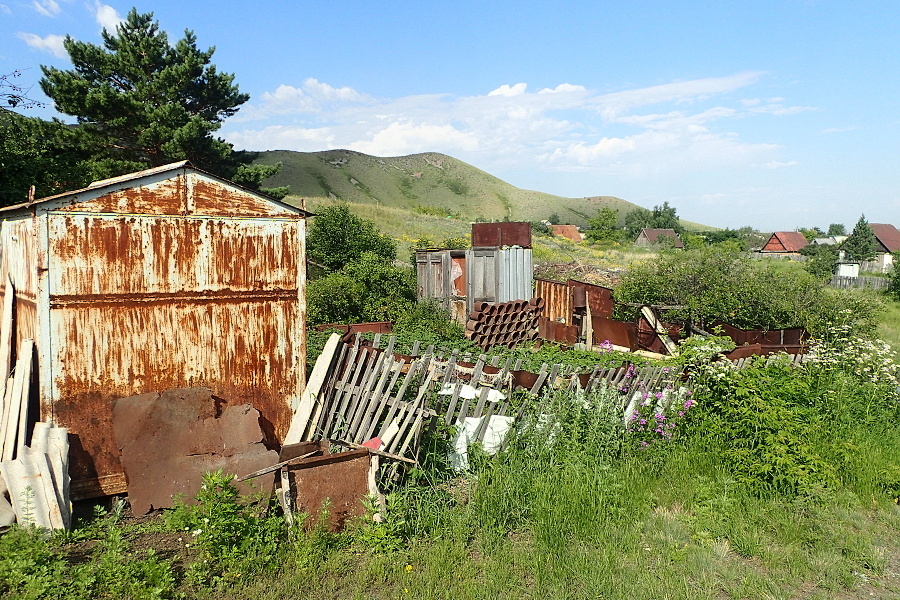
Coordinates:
183 165
785 241
653 236
888 236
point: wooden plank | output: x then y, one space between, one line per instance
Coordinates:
6 328
542 377
339 394
26 352
479 412
376 381
482 401
402 423
277 466
362 391
285 497
303 410
15 402
7 410
454 398
375 452
371 422
414 369
324 407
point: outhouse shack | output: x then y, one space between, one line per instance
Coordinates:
164 278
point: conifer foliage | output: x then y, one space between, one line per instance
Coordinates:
142 102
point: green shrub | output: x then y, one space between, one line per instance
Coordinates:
711 285
367 289
232 538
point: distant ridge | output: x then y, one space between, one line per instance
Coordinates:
427 183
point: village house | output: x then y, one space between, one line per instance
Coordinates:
658 237
888 242
569 232
785 243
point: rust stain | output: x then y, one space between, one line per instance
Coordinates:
167 197
214 199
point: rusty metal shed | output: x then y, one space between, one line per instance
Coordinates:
165 278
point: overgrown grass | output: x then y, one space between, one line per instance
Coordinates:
889 325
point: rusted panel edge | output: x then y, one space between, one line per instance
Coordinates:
224 296
181 217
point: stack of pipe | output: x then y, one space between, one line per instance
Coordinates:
505 323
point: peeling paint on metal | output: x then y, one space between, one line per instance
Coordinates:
167 281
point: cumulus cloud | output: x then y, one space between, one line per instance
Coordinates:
51 43
48 8
507 90
680 127
106 16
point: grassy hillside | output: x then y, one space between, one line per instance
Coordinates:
428 184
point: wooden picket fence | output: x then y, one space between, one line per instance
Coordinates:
370 392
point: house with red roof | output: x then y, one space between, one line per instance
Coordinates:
785 243
567 231
888 242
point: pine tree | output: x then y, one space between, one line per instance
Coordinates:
862 244
143 102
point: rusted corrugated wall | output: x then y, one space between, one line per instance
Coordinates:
176 279
558 300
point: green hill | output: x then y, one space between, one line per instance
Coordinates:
429 184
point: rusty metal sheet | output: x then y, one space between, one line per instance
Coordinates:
763 350
618 333
496 235
336 482
168 441
648 339
140 303
130 258
790 337
558 300
557 332
178 192
599 298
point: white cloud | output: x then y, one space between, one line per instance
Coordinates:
312 96
401 138
106 16
52 43
278 137
563 88
48 8
777 164
505 90
5 9
693 127
839 129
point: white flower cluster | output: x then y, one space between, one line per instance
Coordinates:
870 360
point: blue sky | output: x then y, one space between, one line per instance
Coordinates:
774 114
